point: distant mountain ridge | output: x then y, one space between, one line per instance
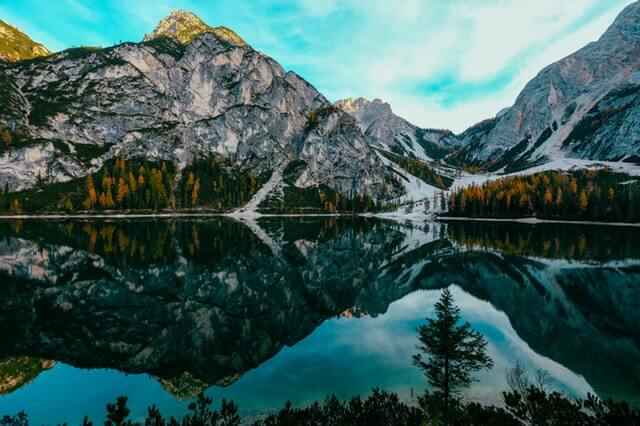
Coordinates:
386 130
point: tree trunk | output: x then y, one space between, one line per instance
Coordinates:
446 392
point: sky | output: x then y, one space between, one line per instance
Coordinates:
439 63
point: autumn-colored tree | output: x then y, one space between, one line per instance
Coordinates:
574 186
559 196
583 201
6 137
92 195
195 192
133 184
109 204
123 191
252 182
158 191
102 200
15 208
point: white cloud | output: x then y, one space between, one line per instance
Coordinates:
394 48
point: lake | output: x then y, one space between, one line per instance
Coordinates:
276 309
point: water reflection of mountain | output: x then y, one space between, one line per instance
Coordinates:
197 302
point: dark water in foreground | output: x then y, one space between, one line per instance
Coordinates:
275 310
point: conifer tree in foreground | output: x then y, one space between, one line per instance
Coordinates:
449 351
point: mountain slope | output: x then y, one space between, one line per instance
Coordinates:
16 45
583 106
384 129
162 99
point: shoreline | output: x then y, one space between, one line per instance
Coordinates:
535 221
250 215
233 215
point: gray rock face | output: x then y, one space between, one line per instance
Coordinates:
335 148
582 106
385 130
164 100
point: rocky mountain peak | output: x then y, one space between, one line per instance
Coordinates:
356 105
627 23
184 26
16 45
388 131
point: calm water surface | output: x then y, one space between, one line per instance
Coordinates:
267 311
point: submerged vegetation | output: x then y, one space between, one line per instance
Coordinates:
585 195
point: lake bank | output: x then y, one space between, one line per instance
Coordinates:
534 221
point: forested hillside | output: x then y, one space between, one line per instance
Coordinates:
585 195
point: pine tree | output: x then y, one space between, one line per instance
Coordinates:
92 195
449 351
68 204
108 203
123 191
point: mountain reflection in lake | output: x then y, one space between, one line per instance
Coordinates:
295 309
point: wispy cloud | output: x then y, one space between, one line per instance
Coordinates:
440 64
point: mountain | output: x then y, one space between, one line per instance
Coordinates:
585 106
183 27
16 45
188 91
385 130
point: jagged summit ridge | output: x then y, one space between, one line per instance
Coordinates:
385 130
184 26
16 45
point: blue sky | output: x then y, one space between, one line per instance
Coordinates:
439 63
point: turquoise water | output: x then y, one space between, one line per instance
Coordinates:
323 308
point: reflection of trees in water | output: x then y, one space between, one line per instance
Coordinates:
211 299
551 241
